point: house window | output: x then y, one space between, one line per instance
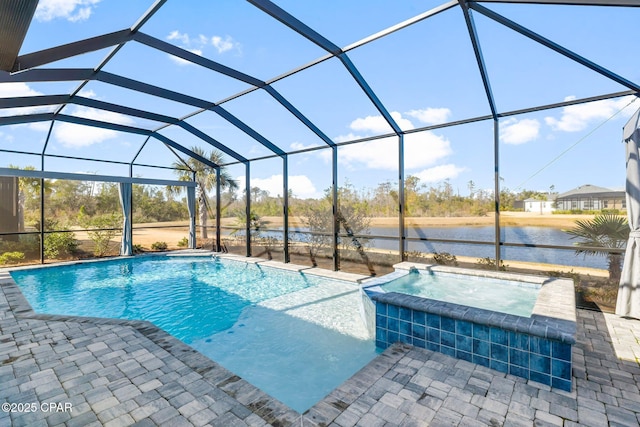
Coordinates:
574 204
605 204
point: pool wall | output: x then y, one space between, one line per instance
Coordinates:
537 348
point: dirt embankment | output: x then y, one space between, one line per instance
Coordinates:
521 219
146 236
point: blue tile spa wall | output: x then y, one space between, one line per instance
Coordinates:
532 357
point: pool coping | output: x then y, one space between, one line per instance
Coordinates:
253 398
553 317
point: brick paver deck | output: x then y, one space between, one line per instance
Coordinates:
117 373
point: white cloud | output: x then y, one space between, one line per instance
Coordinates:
76 136
348 137
439 173
421 149
300 185
199 43
295 146
12 90
87 93
575 118
223 44
378 125
181 61
430 116
425 149
71 10
177 35
17 90
514 131
374 124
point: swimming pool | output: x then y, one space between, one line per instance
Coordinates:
296 336
456 318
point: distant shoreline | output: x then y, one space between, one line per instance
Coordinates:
517 219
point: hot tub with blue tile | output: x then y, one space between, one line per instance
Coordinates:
535 344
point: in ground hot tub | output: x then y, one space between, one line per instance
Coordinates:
519 324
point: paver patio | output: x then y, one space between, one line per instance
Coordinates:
114 373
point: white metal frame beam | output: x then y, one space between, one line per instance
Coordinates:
88 177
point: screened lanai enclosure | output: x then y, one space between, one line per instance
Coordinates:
349 135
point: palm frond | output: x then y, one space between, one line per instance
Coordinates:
606 231
205 175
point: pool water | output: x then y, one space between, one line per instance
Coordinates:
295 336
505 296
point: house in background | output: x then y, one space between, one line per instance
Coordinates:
546 206
591 197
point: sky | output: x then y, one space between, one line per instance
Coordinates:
424 75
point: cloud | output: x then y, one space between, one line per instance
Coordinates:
295 146
515 132
348 137
425 149
223 44
18 90
199 43
575 118
12 90
71 10
75 136
177 35
181 61
439 173
431 116
378 125
87 93
300 185
421 149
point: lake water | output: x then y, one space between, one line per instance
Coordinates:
521 235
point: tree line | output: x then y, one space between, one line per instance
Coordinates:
73 203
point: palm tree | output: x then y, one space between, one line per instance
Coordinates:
604 231
206 180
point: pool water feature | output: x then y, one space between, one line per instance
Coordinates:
505 296
535 345
297 336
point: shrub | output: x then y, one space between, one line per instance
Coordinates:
56 244
488 263
414 255
27 244
11 257
612 211
107 225
137 249
183 243
445 258
159 246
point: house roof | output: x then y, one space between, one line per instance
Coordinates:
589 190
548 199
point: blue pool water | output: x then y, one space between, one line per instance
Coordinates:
215 306
505 296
